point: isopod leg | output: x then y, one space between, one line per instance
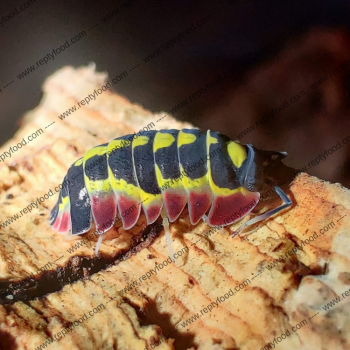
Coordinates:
100 239
167 234
286 203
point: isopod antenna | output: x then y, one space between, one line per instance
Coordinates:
286 203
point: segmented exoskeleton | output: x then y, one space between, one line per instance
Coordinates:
162 171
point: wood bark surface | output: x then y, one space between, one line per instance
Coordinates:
271 294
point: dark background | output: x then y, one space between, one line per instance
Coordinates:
241 37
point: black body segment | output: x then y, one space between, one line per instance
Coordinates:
223 171
166 157
80 210
193 156
120 160
95 167
144 162
54 211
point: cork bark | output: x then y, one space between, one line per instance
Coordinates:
274 276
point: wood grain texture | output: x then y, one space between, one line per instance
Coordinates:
265 304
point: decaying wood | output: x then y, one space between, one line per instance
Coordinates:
266 303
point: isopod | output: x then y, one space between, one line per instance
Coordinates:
162 171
